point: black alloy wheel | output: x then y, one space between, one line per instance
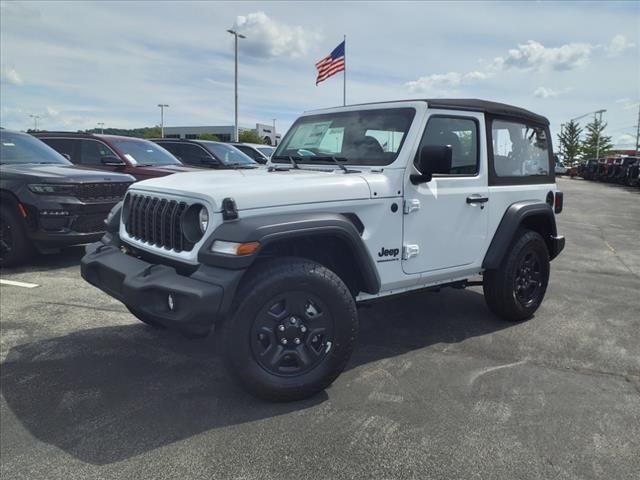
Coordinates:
292 333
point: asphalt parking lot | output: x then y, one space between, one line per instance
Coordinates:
438 387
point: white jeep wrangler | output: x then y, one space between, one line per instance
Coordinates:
358 202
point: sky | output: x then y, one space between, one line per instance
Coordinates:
76 64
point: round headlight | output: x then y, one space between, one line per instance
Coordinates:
203 219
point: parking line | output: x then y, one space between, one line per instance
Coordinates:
18 284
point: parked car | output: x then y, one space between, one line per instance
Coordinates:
260 153
360 203
205 153
629 174
47 202
136 156
560 168
589 169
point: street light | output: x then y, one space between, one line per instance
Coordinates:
162 107
35 121
275 140
101 125
236 35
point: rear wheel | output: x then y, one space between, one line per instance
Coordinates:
15 247
516 289
293 330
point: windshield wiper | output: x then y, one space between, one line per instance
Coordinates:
335 160
291 158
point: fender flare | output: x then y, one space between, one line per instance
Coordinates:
511 221
268 229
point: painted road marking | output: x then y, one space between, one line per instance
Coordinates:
18 284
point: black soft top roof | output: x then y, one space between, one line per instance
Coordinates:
476 105
494 108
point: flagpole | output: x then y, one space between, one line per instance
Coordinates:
344 85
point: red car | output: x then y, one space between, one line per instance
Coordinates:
138 157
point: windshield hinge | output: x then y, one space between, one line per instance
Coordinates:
411 205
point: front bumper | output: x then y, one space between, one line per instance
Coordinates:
197 301
557 245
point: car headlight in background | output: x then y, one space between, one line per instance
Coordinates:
52 188
203 219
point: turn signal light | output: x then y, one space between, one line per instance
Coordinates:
559 202
235 248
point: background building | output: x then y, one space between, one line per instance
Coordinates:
224 132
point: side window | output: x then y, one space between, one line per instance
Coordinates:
62 146
192 154
173 148
519 150
92 152
461 134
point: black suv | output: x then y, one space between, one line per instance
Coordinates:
47 202
205 153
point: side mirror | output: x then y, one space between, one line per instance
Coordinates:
432 159
112 161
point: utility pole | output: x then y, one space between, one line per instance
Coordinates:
638 132
599 113
35 121
162 107
236 35
101 125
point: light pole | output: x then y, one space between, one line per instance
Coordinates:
599 113
236 35
101 125
162 107
275 139
35 121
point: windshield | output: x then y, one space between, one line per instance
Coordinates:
22 148
365 137
144 153
266 150
227 154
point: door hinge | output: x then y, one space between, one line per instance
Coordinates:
411 205
410 251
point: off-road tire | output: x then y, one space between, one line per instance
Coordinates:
267 283
500 285
20 246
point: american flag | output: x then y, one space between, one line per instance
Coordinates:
331 64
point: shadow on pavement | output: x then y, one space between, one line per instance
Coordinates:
108 394
66 257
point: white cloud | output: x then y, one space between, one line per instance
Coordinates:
433 82
11 76
625 141
547 92
618 44
52 112
268 38
533 55
628 104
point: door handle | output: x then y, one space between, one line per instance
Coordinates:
477 199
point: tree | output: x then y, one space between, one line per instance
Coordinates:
591 146
153 132
569 140
208 136
248 136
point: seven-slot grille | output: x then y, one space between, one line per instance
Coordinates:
103 191
157 221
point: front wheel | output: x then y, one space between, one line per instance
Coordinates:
293 330
516 289
15 247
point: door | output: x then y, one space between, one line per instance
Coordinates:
92 152
445 220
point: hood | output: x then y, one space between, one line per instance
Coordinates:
260 188
52 173
167 169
